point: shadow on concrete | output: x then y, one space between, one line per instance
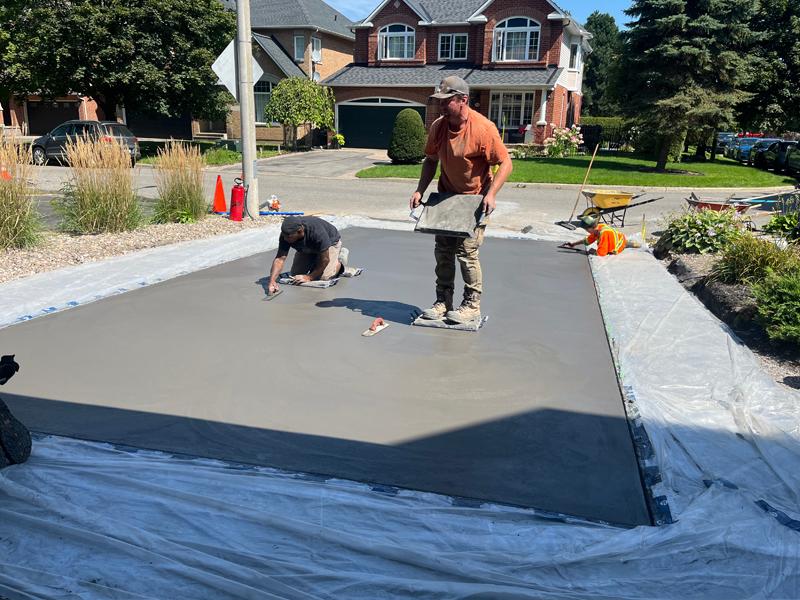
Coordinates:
396 312
464 463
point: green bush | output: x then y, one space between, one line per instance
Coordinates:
750 260
698 232
617 122
779 307
781 224
407 146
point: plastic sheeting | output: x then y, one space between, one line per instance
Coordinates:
82 520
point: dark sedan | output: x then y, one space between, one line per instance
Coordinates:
774 157
723 139
755 158
53 145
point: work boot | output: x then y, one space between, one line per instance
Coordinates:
470 308
343 254
444 303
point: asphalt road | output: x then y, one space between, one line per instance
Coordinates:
325 181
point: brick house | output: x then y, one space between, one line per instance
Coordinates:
287 35
523 61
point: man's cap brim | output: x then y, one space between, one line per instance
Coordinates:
442 96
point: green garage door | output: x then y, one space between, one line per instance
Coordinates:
370 126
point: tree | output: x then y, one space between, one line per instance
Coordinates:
407 145
150 56
598 99
296 101
685 64
775 103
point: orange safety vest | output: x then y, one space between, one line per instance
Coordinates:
611 241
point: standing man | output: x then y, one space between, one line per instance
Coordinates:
318 251
467 144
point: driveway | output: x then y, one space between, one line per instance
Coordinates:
332 164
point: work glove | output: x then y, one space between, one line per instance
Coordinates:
8 367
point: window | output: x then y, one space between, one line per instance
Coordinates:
396 42
316 46
453 46
261 92
511 109
299 47
62 131
516 39
575 57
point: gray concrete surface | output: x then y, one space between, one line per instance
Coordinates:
324 181
526 411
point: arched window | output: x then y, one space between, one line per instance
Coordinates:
515 39
396 42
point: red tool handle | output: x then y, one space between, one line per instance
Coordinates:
377 322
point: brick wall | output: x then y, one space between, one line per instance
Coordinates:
577 101
336 53
388 16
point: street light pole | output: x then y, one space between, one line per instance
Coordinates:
247 112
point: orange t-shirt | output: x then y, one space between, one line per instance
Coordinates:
466 156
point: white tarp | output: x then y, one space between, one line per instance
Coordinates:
83 520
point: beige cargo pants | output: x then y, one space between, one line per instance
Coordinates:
305 263
448 249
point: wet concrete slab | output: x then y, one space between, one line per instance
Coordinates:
526 411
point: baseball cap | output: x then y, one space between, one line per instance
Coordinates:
451 86
291 225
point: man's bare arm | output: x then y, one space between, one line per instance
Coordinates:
277 268
322 263
428 173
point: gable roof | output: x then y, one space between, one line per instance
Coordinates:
291 14
281 58
433 12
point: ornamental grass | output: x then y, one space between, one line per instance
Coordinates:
179 175
19 221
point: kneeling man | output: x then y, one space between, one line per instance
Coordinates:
319 253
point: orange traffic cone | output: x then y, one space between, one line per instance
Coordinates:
219 197
4 173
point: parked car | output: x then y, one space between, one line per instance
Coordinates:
723 139
731 148
53 145
774 157
743 148
755 157
792 164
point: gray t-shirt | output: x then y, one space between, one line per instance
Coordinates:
319 236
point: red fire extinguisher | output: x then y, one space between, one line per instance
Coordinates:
237 200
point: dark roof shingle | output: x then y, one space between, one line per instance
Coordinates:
279 55
296 13
432 75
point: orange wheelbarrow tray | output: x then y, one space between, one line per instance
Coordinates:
717 205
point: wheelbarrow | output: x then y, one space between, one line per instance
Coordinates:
611 206
717 205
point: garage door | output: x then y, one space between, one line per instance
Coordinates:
43 117
370 126
143 126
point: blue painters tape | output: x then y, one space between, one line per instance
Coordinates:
72 304
778 515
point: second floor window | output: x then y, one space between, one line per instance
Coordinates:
575 57
516 39
396 42
453 46
299 47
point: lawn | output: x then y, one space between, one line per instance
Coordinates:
618 169
214 155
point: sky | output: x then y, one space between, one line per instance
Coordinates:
355 10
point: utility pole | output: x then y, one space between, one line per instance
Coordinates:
247 109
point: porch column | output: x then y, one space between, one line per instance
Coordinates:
542 109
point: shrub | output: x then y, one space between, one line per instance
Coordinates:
179 178
563 141
778 299
19 221
407 146
781 224
698 232
100 196
750 260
